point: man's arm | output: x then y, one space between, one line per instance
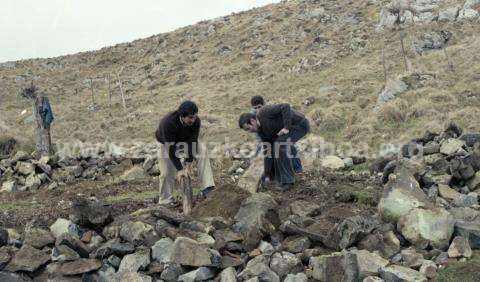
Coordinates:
193 141
169 136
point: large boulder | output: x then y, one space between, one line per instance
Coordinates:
451 146
332 163
469 230
335 267
188 252
62 226
427 227
258 267
25 168
162 250
136 261
459 248
350 231
402 193
38 238
256 218
27 259
135 231
80 266
90 213
369 264
400 273
250 180
285 263
114 247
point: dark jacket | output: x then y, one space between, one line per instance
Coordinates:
171 132
273 118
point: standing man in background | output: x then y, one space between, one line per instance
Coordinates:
178 133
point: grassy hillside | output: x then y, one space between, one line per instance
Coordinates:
288 52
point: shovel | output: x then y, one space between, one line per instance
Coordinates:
186 188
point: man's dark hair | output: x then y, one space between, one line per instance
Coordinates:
187 108
245 119
257 100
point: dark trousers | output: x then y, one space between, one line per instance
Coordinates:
281 160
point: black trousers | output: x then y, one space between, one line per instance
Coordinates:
281 153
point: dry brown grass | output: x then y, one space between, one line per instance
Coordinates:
344 82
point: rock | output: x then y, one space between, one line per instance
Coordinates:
172 272
469 231
299 277
400 273
228 275
74 244
470 138
369 264
334 267
350 231
136 261
423 227
411 258
162 250
13 277
90 213
465 214
63 253
114 247
448 15
136 172
442 259
451 146
432 40
5 256
393 89
129 277
256 218
402 193
474 183
27 259
115 261
250 180
38 238
459 248
304 208
429 269
387 244
387 19
468 14
258 267
296 244
62 226
9 186
25 168
32 182
13 237
188 252
200 274
373 279
135 232
285 263
332 162
266 248
460 169
80 266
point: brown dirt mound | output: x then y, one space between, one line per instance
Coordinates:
223 201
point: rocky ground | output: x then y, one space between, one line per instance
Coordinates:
336 225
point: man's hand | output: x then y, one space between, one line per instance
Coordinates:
284 131
182 173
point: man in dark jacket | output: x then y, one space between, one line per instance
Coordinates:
280 128
178 134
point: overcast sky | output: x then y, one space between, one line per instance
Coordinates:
48 28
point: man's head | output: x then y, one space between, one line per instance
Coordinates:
188 111
248 122
257 102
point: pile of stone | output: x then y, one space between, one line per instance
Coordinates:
422 12
22 172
